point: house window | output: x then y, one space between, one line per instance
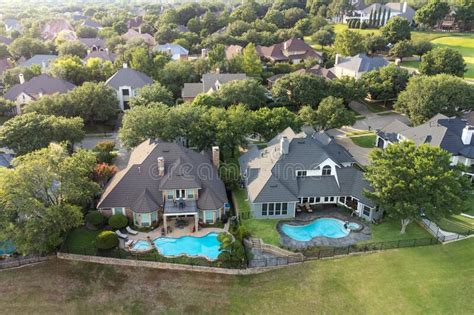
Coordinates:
284 208
305 200
271 208
342 199
331 199
180 193
145 220
264 209
154 216
189 193
326 199
277 208
311 199
326 170
170 195
301 173
318 200
125 92
209 216
366 211
118 211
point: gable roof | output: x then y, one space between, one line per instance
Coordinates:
90 23
208 83
291 49
131 34
52 28
41 60
39 85
5 40
174 50
135 22
391 130
362 63
101 54
129 77
91 42
183 167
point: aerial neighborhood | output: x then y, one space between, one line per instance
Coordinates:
143 139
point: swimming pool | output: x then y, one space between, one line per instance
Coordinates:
206 246
324 227
141 246
7 248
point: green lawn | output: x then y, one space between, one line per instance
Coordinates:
367 141
264 229
470 205
81 239
389 230
421 280
240 196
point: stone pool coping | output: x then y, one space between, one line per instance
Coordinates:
352 238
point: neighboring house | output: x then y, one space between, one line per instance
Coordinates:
177 52
454 135
210 82
5 160
90 23
103 54
52 28
132 34
12 25
5 40
316 70
293 50
5 64
135 23
41 60
126 82
232 51
164 180
303 168
93 43
357 65
25 92
362 12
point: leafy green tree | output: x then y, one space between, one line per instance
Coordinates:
465 15
410 181
69 68
99 69
120 27
152 93
271 121
347 88
248 92
299 89
402 49
349 43
331 113
217 56
11 76
166 34
251 63
4 52
432 12
385 83
375 43
72 48
422 47
27 47
232 251
443 60
307 115
324 37
104 151
31 131
41 198
86 32
176 73
426 96
396 29
293 15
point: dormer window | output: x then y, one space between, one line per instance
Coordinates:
326 170
301 173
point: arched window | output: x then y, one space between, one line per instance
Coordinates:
327 170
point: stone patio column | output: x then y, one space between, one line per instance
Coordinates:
164 224
196 222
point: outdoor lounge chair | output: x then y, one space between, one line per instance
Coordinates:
130 231
121 235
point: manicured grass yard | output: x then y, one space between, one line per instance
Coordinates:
264 229
366 141
423 280
81 239
389 230
240 196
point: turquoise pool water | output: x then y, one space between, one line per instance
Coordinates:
206 246
324 227
7 248
141 246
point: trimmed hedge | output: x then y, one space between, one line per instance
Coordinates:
95 218
106 240
118 221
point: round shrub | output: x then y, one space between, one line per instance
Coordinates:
118 221
95 218
106 240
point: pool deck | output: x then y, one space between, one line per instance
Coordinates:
305 218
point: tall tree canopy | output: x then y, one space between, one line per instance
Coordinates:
443 60
42 197
396 29
426 96
331 113
385 83
410 180
432 12
299 89
349 43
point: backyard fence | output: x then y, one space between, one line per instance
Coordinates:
344 251
444 236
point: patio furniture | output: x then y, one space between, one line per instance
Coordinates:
162 231
130 231
121 235
308 207
129 243
298 208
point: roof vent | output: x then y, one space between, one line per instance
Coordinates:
273 185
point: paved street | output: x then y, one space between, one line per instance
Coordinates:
373 121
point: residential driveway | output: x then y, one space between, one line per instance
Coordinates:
361 109
379 121
361 155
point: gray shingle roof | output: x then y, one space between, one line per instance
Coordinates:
209 82
362 63
390 131
42 84
129 77
184 169
101 54
38 60
91 42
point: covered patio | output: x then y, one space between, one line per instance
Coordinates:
180 208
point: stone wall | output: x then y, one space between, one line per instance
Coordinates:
166 266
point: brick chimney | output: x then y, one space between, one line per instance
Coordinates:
161 166
215 156
338 59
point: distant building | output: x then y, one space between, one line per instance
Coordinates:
132 34
52 28
362 12
293 50
25 92
316 70
357 65
135 23
93 43
5 40
210 82
177 52
12 25
90 23
126 82
233 51
41 60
